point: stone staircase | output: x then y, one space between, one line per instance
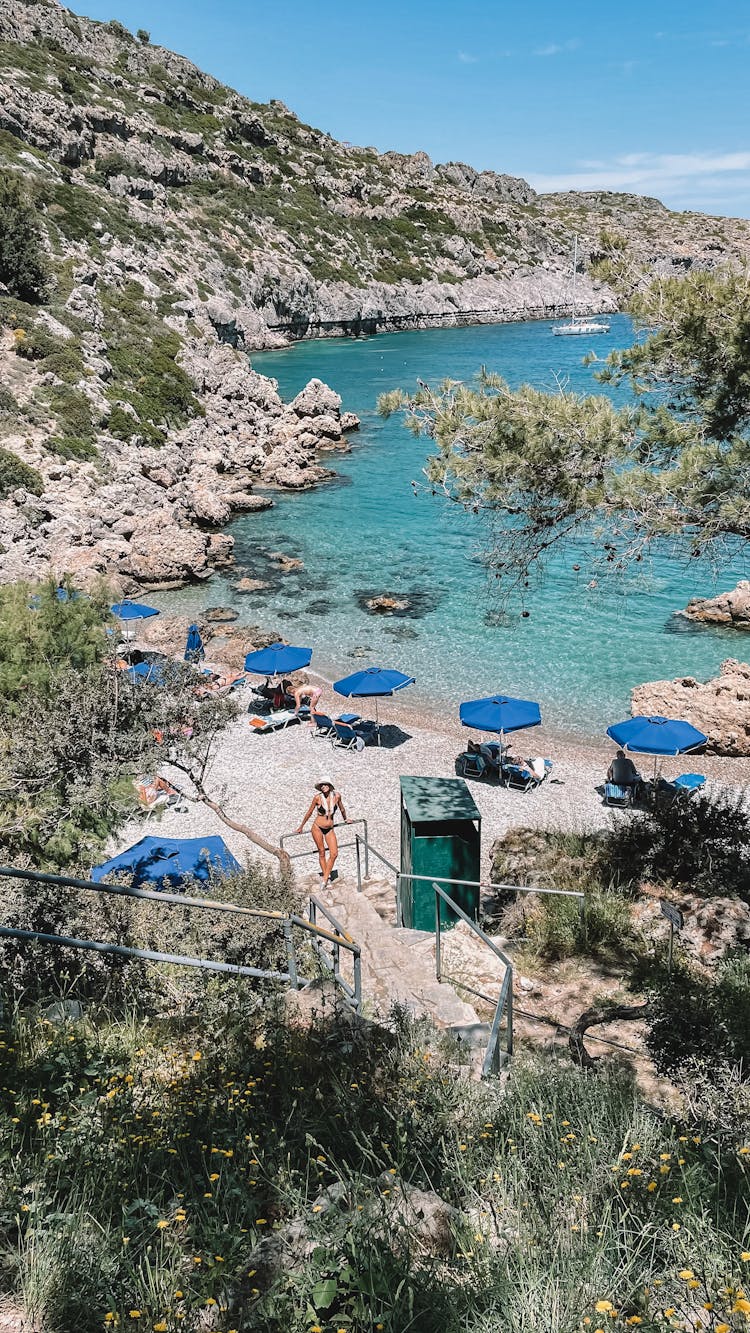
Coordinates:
398 965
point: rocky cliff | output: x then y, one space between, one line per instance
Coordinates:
185 224
720 708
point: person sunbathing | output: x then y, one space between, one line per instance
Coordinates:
153 790
622 772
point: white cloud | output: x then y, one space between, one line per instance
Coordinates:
682 178
467 59
557 48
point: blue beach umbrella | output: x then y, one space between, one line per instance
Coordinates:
128 610
167 861
194 650
656 735
500 713
143 673
278 659
372 682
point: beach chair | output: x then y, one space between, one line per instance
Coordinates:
523 776
323 725
617 795
346 738
471 765
274 722
686 785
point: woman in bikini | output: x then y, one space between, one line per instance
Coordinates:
324 805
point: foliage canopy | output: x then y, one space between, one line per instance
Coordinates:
562 467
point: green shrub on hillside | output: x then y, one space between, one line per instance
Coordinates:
143 353
69 446
8 402
696 1015
60 356
23 268
14 473
701 842
71 410
113 164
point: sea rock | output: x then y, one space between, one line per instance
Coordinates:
163 555
385 604
719 707
349 422
728 608
251 585
316 399
285 563
220 615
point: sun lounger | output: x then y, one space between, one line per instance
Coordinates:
323 725
525 776
685 785
346 738
614 794
274 721
472 765
354 736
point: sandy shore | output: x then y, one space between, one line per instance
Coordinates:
267 780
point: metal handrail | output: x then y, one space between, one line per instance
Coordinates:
341 940
338 938
296 856
494 1058
148 955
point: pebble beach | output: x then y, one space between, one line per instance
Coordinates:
267 780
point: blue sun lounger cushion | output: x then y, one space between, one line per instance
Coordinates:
616 795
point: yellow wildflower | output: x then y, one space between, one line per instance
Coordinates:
603 1307
741 1306
161 1327
745 1256
161 1224
722 1328
686 1273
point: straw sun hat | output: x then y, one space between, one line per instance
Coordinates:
324 782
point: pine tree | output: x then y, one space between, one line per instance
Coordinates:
23 269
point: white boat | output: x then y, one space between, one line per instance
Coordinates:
578 325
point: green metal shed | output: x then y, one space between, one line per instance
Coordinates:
440 838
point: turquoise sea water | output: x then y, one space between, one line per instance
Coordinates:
579 652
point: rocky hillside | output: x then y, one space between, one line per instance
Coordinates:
273 229
184 224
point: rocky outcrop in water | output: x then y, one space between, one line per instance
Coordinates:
728 608
720 708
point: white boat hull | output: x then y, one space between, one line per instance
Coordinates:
579 329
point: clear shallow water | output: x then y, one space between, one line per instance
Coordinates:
579 652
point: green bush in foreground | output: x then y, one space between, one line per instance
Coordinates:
220 1168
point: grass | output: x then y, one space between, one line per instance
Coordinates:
156 1166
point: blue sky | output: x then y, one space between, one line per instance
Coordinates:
650 97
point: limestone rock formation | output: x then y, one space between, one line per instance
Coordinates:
728 608
719 707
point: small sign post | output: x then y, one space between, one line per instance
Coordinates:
676 921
